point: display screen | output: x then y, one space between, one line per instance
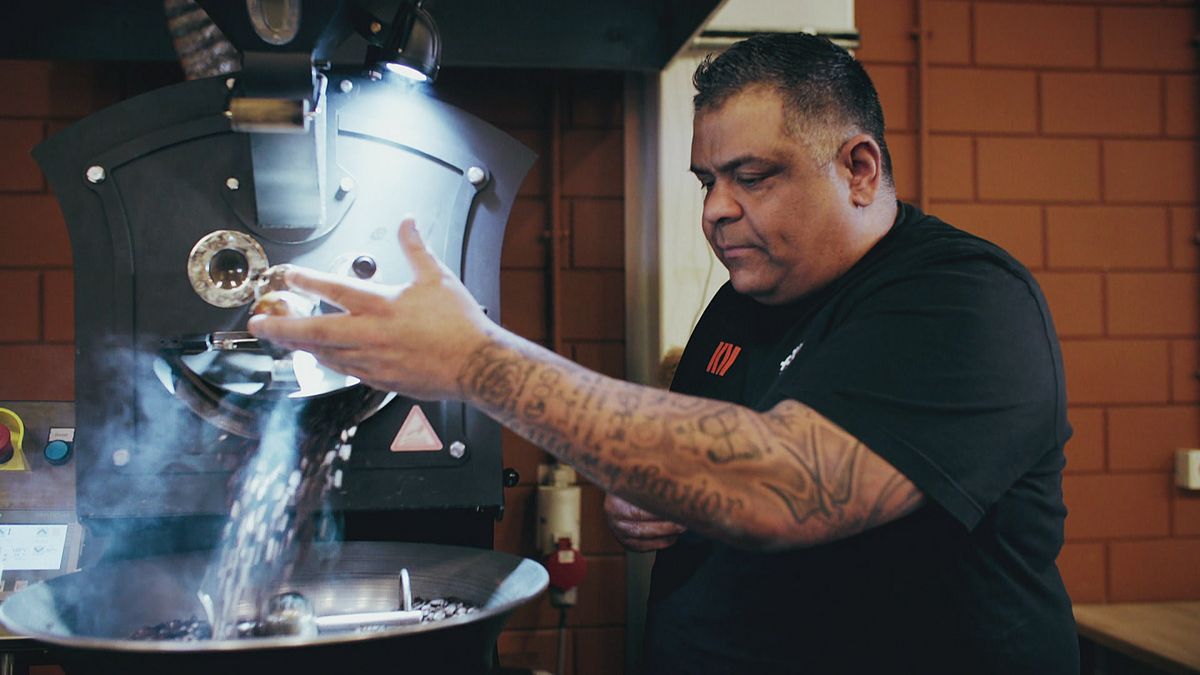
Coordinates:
32 547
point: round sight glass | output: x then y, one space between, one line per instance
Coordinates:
228 268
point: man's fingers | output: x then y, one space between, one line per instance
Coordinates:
424 265
650 529
308 333
352 295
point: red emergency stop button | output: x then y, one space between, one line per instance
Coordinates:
6 445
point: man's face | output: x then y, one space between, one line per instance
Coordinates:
774 215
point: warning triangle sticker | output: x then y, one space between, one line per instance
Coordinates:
416 434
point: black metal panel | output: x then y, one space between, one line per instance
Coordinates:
166 157
615 34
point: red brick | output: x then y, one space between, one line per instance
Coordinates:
1039 169
607 358
536 180
516 531
597 306
1016 229
949 26
1150 171
1083 567
599 651
1106 237
1076 302
601 599
1045 36
1116 371
509 99
593 163
22 307
522 455
1187 512
905 171
976 99
1131 104
58 89
1185 371
529 649
1166 303
1085 450
526 235
894 85
951 174
1146 438
1126 36
1185 238
595 101
18 171
1127 505
598 233
886 27
1150 571
1181 104
32 232
523 303
58 306
37 373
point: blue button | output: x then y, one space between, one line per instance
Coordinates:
57 452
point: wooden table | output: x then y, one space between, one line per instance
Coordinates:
1164 635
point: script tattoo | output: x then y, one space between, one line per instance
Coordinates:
787 475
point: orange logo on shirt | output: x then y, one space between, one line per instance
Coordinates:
722 358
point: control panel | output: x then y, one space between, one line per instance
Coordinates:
40 536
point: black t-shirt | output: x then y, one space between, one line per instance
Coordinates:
936 350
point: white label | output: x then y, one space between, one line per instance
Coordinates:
32 547
62 434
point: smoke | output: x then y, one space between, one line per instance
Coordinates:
271 496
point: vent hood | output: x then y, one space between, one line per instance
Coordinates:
629 35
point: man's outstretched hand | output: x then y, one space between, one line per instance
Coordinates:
413 339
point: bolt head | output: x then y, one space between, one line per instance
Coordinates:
232 183
96 174
476 176
121 457
376 26
346 184
346 86
457 449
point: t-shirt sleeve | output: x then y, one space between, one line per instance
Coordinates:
950 372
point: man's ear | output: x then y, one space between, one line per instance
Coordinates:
861 157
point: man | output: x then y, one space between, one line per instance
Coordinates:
861 458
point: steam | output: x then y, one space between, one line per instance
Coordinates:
277 495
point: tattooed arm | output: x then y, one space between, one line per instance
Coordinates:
787 477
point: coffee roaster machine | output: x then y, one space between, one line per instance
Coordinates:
180 204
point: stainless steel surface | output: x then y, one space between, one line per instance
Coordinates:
87 617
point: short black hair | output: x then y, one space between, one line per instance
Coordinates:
819 81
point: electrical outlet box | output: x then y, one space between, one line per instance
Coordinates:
1187 468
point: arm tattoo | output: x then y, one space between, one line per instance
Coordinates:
784 477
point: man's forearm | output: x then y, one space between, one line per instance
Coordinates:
782 478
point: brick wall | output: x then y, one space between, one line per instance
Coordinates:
1066 132
37 329
590 186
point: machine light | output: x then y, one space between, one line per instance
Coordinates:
409 45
